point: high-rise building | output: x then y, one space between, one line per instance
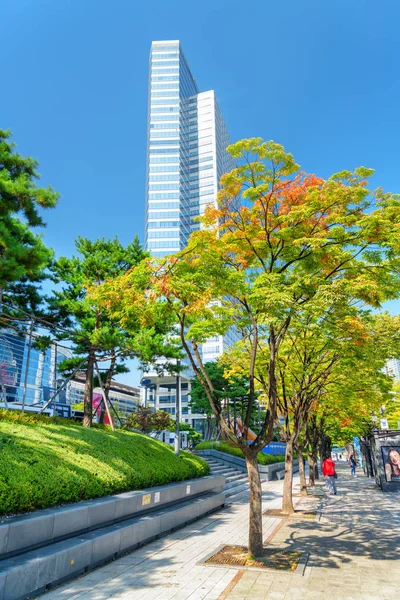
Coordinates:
186 156
392 368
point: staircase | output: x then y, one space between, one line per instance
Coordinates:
236 482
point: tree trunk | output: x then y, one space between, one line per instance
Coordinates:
287 499
316 473
208 428
88 393
302 473
255 523
311 470
325 447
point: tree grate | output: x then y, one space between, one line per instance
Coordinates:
238 556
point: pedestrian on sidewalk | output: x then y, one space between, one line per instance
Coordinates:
353 464
328 469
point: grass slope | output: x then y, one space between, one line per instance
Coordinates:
46 462
262 459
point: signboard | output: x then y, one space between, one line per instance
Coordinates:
146 499
356 444
384 424
187 489
156 497
275 448
391 462
8 374
96 403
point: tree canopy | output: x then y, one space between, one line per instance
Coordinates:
278 243
95 334
23 255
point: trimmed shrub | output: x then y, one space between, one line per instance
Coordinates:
263 459
50 461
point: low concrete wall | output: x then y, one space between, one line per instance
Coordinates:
32 573
267 472
29 531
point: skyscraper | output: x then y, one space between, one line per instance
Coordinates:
186 156
392 368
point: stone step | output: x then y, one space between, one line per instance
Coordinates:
30 573
236 490
236 481
235 484
235 477
220 468
225 471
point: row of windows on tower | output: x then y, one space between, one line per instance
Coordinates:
167 69
166 244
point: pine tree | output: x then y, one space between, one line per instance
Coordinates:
23 255
95 334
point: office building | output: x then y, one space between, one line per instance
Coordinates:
28 374
392 368
125 398
186 156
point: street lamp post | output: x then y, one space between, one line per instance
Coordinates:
177 407
146 383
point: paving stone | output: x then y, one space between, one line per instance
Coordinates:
352 550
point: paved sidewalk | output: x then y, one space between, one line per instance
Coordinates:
354 550
167 568
354 555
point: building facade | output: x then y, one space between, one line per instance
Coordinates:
392 368
186 156
125 398
28 374
32 376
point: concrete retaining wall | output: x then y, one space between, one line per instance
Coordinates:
267 472
26 532
108 527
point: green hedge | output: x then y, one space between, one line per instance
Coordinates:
263 459
50 461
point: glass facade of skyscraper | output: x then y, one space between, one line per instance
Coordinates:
186 156
186 151
27 373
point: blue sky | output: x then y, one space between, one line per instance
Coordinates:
322 78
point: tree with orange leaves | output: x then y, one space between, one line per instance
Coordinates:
276 243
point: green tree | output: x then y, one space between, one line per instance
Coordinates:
232 392
392 412
23 255
96 335
146 420
277 240
199 402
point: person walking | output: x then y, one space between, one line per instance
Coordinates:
328 469
353 464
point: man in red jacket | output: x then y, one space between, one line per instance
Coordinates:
328 469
